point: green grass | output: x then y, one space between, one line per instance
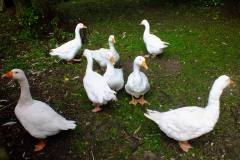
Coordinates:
203 42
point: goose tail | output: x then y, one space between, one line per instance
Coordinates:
70 124
53 52
153 115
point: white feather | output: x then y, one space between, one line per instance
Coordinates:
187 123
38 118
95 85
68 50
114 77
101 54
153 43
137 83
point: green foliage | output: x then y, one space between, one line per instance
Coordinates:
29 22
204 47
3 154
208 2
40 6
58 34
196 2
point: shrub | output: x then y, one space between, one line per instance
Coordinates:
29 22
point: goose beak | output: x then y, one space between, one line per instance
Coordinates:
114 41
84 26
144 64
112 60
8 75
232 83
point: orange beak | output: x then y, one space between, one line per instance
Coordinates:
8 74
144 64
232 83
114 41
112 60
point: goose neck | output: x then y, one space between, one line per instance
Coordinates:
89 64
111 46
147 29
25 96
214 98
77 34
136 68
110 66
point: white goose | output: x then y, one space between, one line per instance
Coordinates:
113 76
153 43
101 54
187 123
38 118
68 50
96 86
137 84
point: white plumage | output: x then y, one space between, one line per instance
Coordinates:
38 118
101 54
153 43
95 85
113 76
187 123
68 50
137 84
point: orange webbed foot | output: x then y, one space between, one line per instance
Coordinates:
40 146
184 145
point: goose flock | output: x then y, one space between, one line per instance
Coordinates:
182 124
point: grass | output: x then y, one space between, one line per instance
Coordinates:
203 45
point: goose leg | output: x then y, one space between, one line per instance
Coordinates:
72 61
77 60
97 108
40 145
142 101
103 69
153 56
184 145
133 101
147 55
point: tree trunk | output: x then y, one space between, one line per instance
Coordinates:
2 5
20 5
43 7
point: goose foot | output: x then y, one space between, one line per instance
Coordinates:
153 56
40 145
184 145
72 61
134 101
77 60
142 101
103 69
97 109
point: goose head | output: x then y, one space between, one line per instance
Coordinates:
16 74
111 39
144 23
140 60
223 81
111 58
80 26
87 53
